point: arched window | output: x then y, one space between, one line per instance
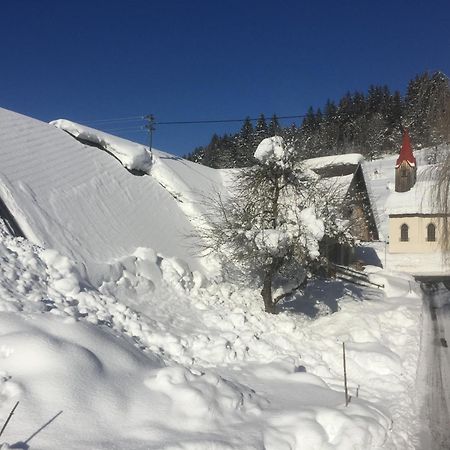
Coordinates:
404 233
431 232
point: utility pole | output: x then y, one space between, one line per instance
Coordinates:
150 126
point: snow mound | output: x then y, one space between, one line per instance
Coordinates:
272 150
82 377
196 367
133 156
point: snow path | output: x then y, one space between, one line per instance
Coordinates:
435 375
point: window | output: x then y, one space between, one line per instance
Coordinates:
404 233
431 232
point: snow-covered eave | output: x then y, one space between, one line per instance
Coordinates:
333 160
133 156
410 163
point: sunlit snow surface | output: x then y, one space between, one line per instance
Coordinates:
200 368
129 346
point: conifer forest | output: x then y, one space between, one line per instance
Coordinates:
369 123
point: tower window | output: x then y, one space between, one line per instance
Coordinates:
404 233
431 232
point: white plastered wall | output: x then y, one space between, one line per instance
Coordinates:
417 234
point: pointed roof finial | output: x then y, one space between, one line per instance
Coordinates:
406 153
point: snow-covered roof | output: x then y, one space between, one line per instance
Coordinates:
334 160
132 155
338 185
81 201
418 200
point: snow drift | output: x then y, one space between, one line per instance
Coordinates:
111 338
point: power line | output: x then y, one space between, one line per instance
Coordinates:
136 128
189 122
117 119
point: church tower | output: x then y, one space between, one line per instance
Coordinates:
405 167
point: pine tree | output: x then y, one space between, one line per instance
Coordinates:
274 126
261 129
245 144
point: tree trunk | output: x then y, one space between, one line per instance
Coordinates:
266 292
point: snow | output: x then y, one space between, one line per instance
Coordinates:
418 200
313 230
80 201
132 156
333 160
339 186
272 150
380 181
113 334
201 368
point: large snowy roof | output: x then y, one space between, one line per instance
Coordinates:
338 185
48 180
418 200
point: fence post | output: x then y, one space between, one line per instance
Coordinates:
345 374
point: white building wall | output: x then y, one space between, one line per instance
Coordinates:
417 234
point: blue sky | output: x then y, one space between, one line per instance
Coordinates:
188 60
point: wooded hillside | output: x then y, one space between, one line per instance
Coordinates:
369 123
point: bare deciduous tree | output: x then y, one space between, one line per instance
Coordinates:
269 227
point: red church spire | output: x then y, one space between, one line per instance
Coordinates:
406 153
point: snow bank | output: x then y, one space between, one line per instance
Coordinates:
99 390
188 183
133 156
187 366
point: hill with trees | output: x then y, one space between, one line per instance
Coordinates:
369 123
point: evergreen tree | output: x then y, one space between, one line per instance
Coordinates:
245 144
261 129
274 128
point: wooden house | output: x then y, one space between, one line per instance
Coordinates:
344 174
